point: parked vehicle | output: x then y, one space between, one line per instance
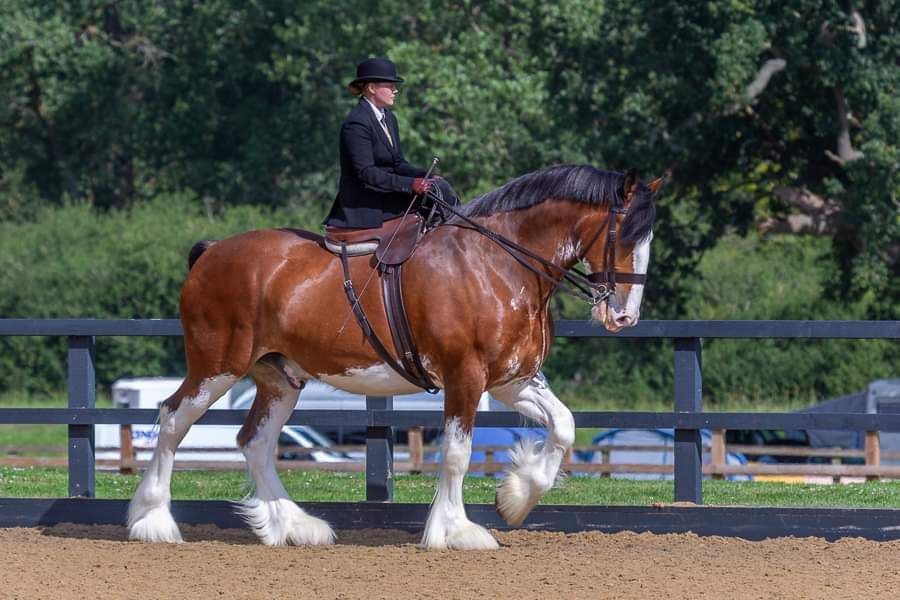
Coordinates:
203 442
295 441
662 438
880 396
769 437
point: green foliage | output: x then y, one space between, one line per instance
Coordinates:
130 263
781 278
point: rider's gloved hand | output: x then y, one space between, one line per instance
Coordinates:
421 186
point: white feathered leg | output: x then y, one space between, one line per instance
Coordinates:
270 512
149 515
535 466
448 526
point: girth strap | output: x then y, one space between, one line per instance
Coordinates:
358 312
399 324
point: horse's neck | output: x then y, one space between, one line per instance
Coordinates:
547 229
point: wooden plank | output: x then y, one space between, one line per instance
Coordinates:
749 450
801 451
786 329
406 419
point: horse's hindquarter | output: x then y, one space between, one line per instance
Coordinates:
468 301
271 291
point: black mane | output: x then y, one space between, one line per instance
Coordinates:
577 183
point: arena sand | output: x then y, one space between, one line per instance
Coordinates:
73 561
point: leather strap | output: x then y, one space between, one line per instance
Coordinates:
370 334
590 287
604 277
392 285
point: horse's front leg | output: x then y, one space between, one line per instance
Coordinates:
448 526
535 467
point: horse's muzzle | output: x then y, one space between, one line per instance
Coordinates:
613 320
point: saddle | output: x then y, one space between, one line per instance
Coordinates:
392 244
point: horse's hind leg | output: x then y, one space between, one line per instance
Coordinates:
270 512
149 517
534 468
447 525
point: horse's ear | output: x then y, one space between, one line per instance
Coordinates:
655 185
629 186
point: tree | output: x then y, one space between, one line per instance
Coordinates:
781 116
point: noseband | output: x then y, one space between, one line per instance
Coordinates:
603 283
594 287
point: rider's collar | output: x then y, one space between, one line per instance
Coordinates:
379 112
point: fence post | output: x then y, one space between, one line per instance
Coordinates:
873 452
717 452
379 454
688 393
489 467
604 460
416 443
126 449
82 386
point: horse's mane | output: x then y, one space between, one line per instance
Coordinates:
577 183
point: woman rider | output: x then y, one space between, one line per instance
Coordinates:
376 181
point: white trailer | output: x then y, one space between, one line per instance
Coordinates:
149 393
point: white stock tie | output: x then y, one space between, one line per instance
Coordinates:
386 132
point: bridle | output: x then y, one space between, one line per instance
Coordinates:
605 281
594 288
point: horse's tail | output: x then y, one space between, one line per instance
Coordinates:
198 249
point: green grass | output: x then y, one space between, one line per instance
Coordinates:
339 487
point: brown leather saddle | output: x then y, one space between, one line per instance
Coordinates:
392 244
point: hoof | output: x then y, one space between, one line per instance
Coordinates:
281 523
156 525
515 498
465 536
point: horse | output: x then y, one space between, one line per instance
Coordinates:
270 304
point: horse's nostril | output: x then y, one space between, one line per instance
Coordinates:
623 320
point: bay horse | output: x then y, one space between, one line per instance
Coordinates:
270 304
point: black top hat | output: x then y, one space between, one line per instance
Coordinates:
376 69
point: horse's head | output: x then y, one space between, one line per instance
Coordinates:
617 243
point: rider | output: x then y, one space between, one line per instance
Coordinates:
376 181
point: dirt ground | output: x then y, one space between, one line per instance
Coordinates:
70 561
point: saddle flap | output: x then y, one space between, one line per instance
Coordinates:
397 247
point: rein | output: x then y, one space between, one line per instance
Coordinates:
593 288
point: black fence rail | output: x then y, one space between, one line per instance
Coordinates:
687 418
